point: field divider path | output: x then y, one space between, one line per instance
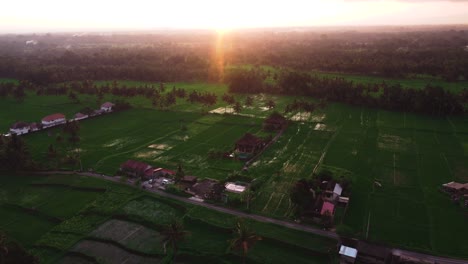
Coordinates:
325 150
259 218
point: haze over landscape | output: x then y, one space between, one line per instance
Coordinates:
88 15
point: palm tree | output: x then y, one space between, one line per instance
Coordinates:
173 234
244 238
237 107
3 248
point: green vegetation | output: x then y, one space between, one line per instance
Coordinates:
106 228
409 155
415 82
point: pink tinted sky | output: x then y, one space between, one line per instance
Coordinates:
60 15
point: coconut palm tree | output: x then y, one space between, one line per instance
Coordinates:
173 234
244 238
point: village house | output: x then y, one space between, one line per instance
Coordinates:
328 207
35 126
137 169
160 172
80 116
98 112
107 106
187 181
248 145
456 188
54 119
274 122
206 189
20 128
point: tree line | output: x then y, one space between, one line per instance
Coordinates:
190 57
432 100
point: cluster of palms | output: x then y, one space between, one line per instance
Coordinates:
244 238
432 100
14 154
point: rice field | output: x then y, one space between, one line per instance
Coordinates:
409 155
123 224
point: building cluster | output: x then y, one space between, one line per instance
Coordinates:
21 128
202 189
330 198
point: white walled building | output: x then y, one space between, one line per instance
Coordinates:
53 120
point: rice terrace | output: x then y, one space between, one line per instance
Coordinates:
142 151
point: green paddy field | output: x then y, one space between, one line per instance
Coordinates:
409 155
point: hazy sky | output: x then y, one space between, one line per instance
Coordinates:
74 15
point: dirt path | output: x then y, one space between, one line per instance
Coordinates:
325 150
288 224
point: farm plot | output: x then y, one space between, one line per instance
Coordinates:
410 156
293 157
22 226
152 210
29 211
163 139
130 235
111 253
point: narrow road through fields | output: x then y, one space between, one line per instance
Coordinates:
287 224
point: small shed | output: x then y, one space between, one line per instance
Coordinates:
234 187
337 191
107 106
80 116
35 126
348 254
189 179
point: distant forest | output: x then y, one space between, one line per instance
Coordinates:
192 56
200 56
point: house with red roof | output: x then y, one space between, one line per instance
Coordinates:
80 116
160 172
107 106
137 169
53 120
20 128
328 207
